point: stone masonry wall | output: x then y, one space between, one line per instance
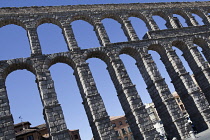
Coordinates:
196 101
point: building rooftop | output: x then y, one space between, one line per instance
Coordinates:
116 117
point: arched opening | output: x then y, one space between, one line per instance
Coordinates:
133 73
146 90
161 67
84 34
203 48
139 26
195 62
114 31
14 42
183 60
180 21
70 99
51 38
24 98
198 19
161 22
182 88
105 87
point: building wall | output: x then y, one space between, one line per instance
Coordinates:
121 128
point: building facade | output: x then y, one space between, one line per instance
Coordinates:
24 131
121 127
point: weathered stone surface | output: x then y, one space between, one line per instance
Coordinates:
196 98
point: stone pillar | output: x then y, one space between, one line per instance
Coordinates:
206 20
52 111
34 41
6 120
204 15
194 100
69 37
93 104
206 50
135 112
101 33
199 67
152 23
173 21
129 30
167 108
170 23
191 21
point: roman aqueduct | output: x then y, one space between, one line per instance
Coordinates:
195 100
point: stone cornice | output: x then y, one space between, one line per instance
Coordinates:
99 7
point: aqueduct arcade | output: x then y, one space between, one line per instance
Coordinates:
196 97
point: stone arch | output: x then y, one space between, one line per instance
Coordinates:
200 14
71 91
136 76
201 41
131 51
8 67
84 17
43 20
180 20
87 26
59 58
102 54
184 15
8 21
60 36
158 53
24 96
143 19
14 40
111 16
118 76
156 47
179 44
150 73
119 24
162 15
17 64
138 15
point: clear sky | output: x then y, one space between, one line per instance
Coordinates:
21 3
22 89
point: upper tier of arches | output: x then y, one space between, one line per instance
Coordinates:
95 18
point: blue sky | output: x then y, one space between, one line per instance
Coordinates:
22 89
21 3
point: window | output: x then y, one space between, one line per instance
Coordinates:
117 133
76 136
178 100
113 125
182 107
129 129
126 121
30 137
126 138
120 123
123 131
